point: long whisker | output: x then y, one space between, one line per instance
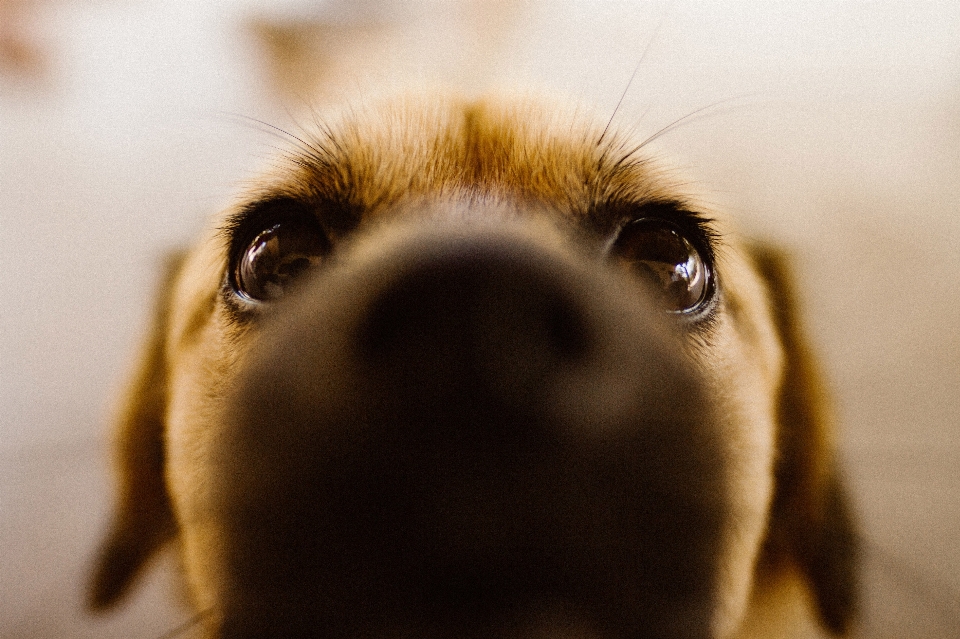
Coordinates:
636 69
275 131
686 119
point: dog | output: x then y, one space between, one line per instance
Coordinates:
465 368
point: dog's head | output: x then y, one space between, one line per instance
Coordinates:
460 369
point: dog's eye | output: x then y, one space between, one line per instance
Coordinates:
276 257
658 251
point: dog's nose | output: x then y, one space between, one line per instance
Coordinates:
477 321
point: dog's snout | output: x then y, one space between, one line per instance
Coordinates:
497 321
468 429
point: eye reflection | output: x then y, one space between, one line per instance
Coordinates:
277 257
657 251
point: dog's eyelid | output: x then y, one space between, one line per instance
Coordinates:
695 225
239 308
251 218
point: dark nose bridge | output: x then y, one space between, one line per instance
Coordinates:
481 313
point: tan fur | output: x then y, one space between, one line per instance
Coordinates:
391 185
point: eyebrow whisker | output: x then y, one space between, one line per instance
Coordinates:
690 117
636 69
278 132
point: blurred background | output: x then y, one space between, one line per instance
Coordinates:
831 127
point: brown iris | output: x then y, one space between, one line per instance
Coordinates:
657 251
277 257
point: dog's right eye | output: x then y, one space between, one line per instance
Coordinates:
276 257
659 252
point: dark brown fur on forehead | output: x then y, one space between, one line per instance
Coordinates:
373 158
355 167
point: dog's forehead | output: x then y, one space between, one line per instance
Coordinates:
365 161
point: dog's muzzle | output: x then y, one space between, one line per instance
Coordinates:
466 435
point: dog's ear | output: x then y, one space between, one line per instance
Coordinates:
811 527
143 520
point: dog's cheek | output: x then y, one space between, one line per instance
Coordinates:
743 365
747 428
204 368
202 347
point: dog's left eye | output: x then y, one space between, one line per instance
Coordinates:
276 257
659 252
